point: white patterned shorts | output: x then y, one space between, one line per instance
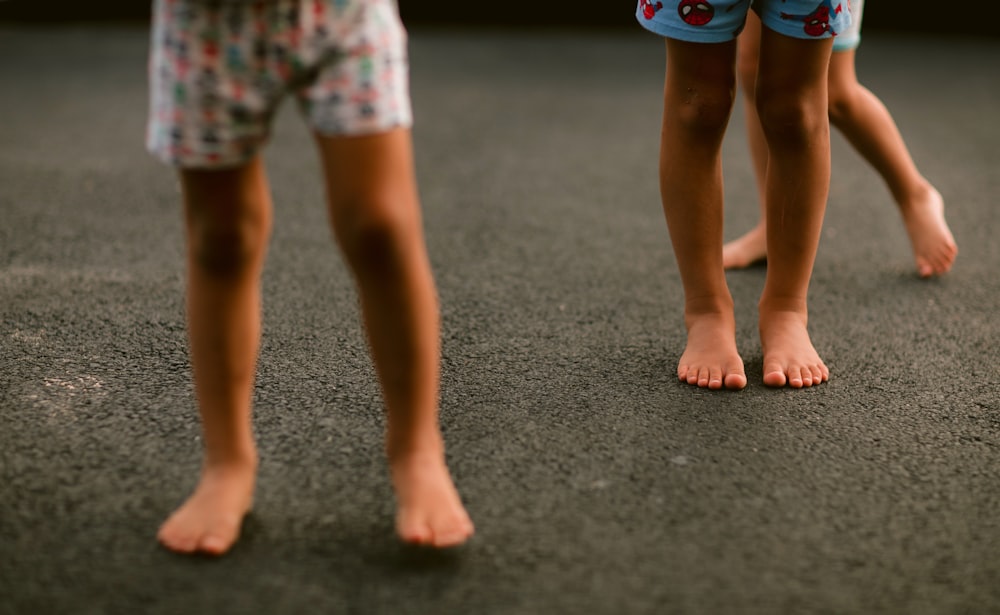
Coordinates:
219 68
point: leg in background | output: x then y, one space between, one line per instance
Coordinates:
751 247
868 126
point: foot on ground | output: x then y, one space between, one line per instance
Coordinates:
746 250
933 245
209 521
710 359
789 356
429 510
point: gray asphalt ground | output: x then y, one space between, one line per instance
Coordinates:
599 484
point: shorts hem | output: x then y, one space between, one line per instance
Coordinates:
201 161
847 44
364 130
683 34
794 30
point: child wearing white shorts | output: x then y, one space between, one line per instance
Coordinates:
218 70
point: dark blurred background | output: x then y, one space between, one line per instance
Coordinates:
915 16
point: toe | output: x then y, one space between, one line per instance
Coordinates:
178 542
735 381
217 538
924 269
452 538
775 377
807 377
214 545
944 266
417 536
414 532
715 378
704 375
795 377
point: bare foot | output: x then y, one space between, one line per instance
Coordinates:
429 511
933 245
746 250
209 521
789 356
710 359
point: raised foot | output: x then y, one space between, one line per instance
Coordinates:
209 521
789 356
746 250
710 359
933 245
429 511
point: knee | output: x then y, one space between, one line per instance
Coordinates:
791 119
841 105
227 249
228 219
372 232
704 113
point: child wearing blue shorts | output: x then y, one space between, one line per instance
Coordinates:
218 70
866 123
791 101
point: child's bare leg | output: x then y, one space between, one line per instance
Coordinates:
376 218
792 103
751 247
698 98
228 217
869 127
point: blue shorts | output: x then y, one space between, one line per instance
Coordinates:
718 21
850 38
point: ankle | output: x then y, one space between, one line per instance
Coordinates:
785 305
239 460
709 305
411 447
917 195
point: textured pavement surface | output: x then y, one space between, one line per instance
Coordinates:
598 483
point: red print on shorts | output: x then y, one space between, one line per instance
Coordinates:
649 9
817 23
695 12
